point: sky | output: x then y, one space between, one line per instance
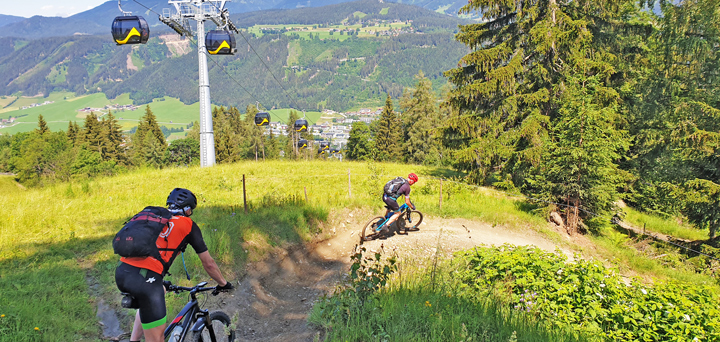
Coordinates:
47 8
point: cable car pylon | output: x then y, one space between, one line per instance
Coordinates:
134 30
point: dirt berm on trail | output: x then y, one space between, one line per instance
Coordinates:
274 299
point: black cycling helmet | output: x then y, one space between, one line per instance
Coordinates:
181 198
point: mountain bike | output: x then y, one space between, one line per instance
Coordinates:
408 221
192 321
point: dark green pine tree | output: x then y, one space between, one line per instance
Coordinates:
92 134
535 70
72 132
676 118
421 118
360 145
114 139
388 133
153 152
291 150
272 146
224 137
580 168
42 125
148 127
507 89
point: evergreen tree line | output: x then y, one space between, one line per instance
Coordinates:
409 136
100 147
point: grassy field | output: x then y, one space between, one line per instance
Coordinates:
170 112
8 185
669 226
55 241
304 31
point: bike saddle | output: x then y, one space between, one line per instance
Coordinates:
129 302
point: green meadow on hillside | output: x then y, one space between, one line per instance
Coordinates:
55 240
170 112
8 185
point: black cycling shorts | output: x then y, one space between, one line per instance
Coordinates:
147 288
391 203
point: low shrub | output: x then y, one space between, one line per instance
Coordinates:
589 298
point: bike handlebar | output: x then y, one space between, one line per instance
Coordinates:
197 288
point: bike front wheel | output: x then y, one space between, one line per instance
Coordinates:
368 232
413 219
220 323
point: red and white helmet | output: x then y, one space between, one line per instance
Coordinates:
413 177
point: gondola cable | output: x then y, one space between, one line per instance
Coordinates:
228 74
268 68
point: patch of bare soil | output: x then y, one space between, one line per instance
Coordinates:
273 300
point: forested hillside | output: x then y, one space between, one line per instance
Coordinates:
353 70
97 20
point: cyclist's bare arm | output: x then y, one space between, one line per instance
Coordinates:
407 201
212 268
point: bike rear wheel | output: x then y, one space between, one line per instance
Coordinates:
413 219
368 232
221 326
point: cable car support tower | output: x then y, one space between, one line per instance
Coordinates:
130 29
201 11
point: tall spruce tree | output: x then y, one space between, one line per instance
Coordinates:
514 96
148 127
112 149
420 117
225 146
42 125
388 134
92 133
291 149
676 118
72 132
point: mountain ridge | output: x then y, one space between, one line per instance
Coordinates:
97 21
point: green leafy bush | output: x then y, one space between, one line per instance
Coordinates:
591 299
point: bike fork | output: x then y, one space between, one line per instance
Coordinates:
209 326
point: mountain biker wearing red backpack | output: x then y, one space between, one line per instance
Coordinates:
392 191
142 277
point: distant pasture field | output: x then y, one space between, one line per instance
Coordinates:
170 112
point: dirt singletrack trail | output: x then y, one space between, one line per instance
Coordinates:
273 300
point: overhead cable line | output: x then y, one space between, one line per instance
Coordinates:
272 74
270 71
253 97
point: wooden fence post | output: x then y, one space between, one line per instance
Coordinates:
440 206
306 199
349 185
244 195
